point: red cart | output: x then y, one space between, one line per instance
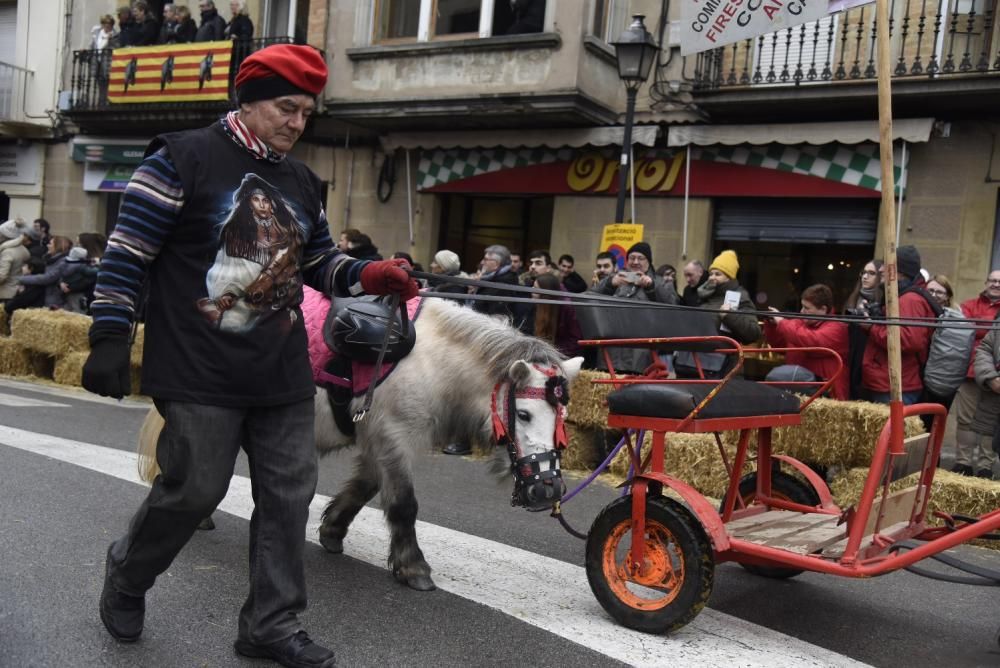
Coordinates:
651 554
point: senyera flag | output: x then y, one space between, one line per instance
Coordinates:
707 24
171 73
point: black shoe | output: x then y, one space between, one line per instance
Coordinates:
122 614
985 473
961 469
457 449
296 651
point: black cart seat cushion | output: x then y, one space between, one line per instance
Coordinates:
738 398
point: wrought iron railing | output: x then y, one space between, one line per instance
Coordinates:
929 38
91 68
13 84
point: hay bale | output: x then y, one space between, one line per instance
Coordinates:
4 323
68 369
832 433
15 359
950 493
588 402
53 333
837 433
149 436
694 458
586 448
137 345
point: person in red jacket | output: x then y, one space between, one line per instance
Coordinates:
794 333
914 340
971 458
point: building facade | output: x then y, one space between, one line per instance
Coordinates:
450 123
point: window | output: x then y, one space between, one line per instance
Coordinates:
611 17
425 20
396 19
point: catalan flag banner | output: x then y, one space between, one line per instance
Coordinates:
171 73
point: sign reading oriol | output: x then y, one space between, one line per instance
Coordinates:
171 73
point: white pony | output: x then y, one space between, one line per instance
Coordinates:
470 378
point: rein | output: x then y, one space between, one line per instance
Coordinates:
591 300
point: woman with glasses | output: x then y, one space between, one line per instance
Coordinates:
867 299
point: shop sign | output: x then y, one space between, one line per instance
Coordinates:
109 152
195 72
19 164
106 178
707 24
595 173
618 237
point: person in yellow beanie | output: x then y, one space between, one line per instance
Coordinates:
727 263
712 295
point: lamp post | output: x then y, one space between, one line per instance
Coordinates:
635 51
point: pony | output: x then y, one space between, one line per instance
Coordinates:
470 378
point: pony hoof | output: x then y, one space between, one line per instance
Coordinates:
332 545
419 582
207 524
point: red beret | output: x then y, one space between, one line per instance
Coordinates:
281 69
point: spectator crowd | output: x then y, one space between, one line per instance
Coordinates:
137 26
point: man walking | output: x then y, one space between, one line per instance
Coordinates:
221 386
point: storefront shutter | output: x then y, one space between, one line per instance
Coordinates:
802 221
8 31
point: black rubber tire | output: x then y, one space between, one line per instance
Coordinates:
671 521
783 486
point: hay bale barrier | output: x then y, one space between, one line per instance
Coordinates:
832 433
68 369
15 359
53 333
950 493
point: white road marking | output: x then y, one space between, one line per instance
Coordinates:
504 578
16 401
77 393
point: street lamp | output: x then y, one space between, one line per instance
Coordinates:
635 51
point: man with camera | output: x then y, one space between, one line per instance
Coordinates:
638 281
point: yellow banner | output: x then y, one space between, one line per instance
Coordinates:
171 73
620 234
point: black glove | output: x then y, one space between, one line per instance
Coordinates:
106 371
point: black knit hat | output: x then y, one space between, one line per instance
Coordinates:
908 261
641 247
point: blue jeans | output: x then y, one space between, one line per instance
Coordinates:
197 452
909 398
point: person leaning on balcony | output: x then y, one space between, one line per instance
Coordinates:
240 28
186 27
213 26
103 35
238 379
148 28
168 30
128 29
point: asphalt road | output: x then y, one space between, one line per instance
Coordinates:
510 582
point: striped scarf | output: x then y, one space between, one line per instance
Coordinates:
242 135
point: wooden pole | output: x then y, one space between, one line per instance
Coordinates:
888 211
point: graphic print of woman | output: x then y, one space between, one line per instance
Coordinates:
256 269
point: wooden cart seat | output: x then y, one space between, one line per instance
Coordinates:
737 398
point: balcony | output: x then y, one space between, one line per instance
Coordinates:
14 82
94 73
946 57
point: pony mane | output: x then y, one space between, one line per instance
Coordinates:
493 339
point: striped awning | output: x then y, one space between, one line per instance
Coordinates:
171 73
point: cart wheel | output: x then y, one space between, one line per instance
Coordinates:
678 560
787 488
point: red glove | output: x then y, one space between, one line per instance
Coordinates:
388 277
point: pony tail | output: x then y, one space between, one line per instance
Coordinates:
149 436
